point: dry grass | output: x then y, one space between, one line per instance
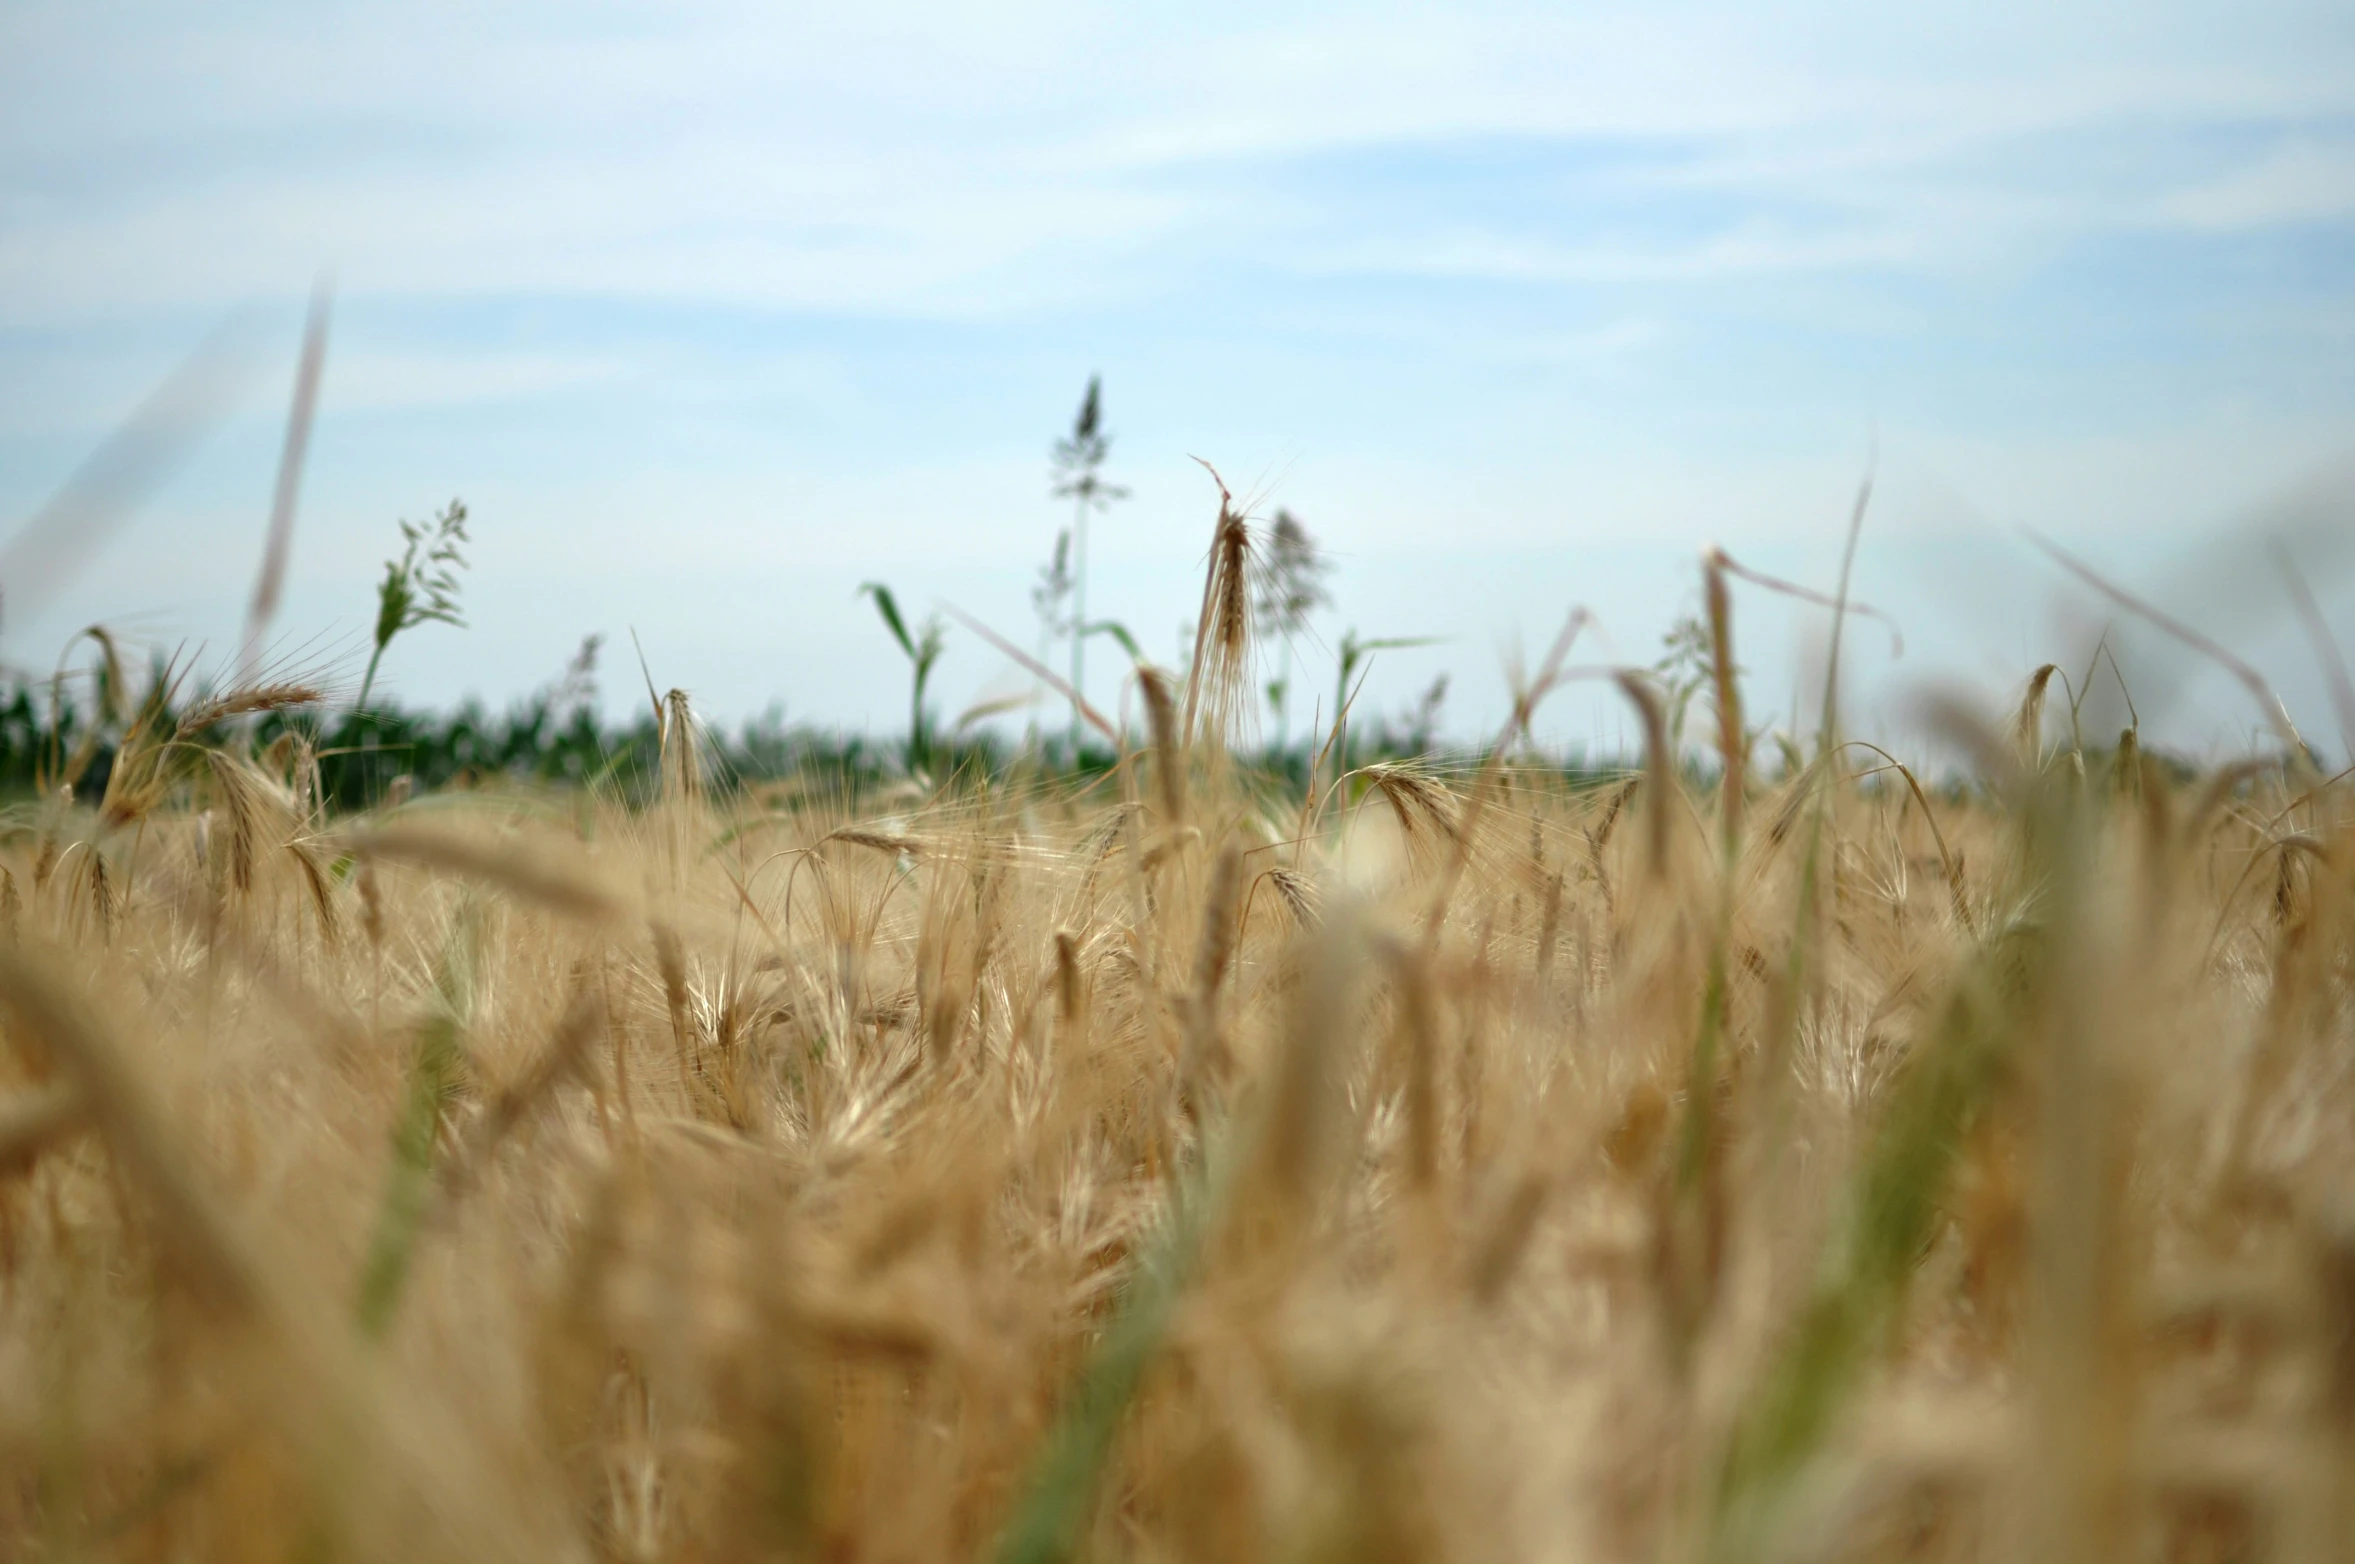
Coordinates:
1458 1167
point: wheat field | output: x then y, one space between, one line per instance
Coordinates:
1452 1161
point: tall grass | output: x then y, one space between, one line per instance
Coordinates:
1438 1161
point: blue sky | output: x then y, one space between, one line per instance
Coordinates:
711 313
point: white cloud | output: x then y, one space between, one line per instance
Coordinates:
2300 182
379 380
1747 250
961 160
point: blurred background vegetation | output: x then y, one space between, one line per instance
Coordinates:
67 730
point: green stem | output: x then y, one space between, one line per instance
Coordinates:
368 680
917 748
434 1073
1079 617
1051 1515
1284 698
